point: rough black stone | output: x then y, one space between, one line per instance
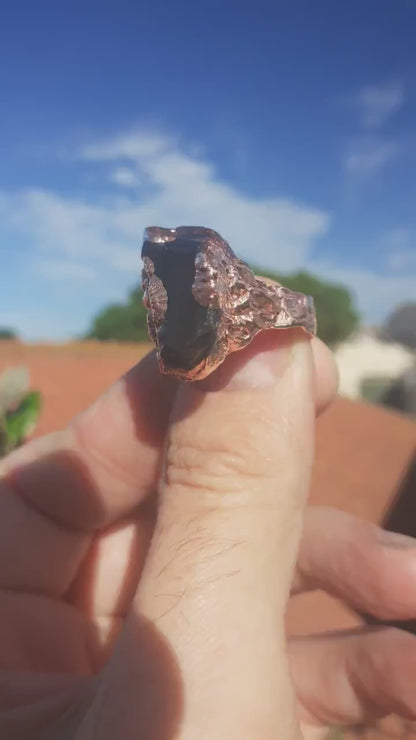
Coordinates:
188 332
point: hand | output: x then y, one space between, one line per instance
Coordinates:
103 637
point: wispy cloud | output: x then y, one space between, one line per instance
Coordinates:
37 325
377 103
369 153
369 156
55 269
403 260
181 189
378 291
125 177
377 294
401 251
135 145
95 243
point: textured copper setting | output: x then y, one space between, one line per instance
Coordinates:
204 302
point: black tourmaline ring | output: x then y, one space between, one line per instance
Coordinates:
203 302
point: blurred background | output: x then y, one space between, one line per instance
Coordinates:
287 126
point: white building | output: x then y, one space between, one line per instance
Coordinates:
365 357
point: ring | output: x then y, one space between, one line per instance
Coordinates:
203 302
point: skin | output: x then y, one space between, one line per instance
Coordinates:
130 614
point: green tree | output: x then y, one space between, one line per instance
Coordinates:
337 316
6 333
122 322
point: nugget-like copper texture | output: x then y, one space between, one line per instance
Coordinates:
203 302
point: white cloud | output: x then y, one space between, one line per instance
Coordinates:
379 291
377 103
135 145
97 242
125 177
275 232
366 158
58 225
54 269
401 260
376 294
41 325
401 243
399 237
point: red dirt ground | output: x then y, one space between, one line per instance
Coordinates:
362 451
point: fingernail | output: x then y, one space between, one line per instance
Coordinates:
257 366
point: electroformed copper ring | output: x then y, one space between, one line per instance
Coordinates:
203 302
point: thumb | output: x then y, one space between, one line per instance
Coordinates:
218 574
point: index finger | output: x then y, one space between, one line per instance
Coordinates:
57 490
106 462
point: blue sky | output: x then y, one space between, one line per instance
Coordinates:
290 127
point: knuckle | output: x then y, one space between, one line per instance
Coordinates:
377 582
196 464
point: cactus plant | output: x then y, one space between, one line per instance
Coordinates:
19 408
